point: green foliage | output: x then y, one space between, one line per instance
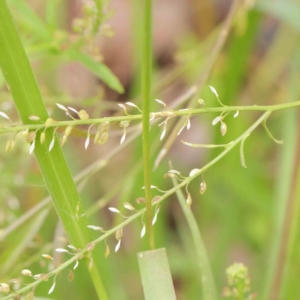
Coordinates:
245 218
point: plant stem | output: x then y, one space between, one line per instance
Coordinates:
159 114
185 182
146 96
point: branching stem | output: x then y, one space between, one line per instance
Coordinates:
187 112
142 211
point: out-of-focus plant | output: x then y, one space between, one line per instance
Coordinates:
41 132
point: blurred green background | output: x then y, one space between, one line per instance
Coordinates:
246 215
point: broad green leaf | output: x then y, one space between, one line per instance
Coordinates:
156 275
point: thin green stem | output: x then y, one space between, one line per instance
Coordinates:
159 114
99 15
146 96
142 211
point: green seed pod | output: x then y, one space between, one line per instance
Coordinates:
223 128
29 296
107 251
49 122
103 138
119 234
83 115
140 200
70 276
97 136
25 133
43 137
9 145
63 140
68 130
189 200
4 288
201 102
30 137
202 187
124 124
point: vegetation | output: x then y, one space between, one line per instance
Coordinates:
225 215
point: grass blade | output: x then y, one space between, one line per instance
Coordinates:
99 69
27 97
208 284
156 275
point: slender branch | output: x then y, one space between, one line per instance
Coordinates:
128 220
159 114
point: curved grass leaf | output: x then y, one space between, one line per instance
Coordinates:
99 69
27 97
156 275
208 283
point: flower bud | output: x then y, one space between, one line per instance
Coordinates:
49 122
189 200
4 288
119 234
83 115
30 137
223 128
26 272
43 137
202 187
68 130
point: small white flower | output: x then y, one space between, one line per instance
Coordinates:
87 142
214 90
52 144
160 102
52 288
154 218
118 246
123 138
193 172
216 120
61 250
113 209
62 107
71 247
122 105
26 272
4 115
128 206
32 147
143 232
94 227
76 265
174 172
73 109
188 125
33 118
163 133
